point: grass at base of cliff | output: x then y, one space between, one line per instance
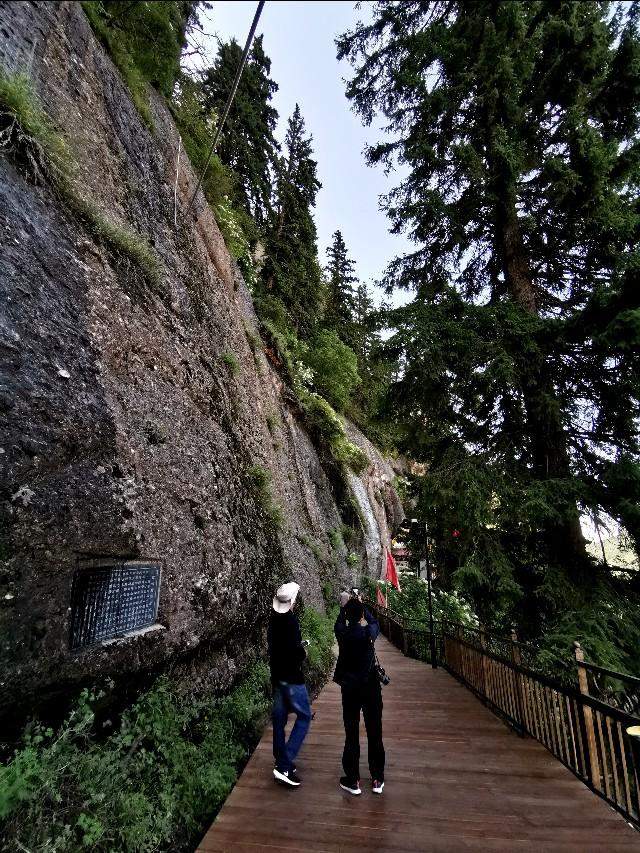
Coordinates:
30 138
318 629
154 784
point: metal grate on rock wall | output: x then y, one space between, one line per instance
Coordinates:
112 598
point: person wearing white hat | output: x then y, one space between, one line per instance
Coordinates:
286 655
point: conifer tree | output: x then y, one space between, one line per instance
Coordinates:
517 124
364 321
291 273
340 299
247 144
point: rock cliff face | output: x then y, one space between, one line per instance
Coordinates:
134 417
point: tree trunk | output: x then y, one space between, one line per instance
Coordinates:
544 421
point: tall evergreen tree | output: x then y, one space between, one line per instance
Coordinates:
365 323
374 368
291 273
340 298
247 144
517 123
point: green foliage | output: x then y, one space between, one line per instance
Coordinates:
155 783
324 424
412 600
231 362
145 40
314 546
335 368
273 422
319 630
237 242
29 135
336 539
120 238
197 122
253 339
329 594
340 302
117 49
197 126
261 480
608 633
518 385
291 273
247 145
327 428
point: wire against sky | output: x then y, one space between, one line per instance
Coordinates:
232 94
299 38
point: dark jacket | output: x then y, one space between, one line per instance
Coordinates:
286 652
356 656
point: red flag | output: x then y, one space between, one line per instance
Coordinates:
392 572
382 601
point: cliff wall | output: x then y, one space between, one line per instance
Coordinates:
135 415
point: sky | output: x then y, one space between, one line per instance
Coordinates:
299 39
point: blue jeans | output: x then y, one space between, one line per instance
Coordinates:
289 699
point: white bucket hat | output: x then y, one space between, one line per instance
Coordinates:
285 597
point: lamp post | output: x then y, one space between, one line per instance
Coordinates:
432 638
427 544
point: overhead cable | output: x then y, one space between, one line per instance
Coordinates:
232 93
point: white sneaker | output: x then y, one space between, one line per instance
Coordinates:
377 786
287 777
348 786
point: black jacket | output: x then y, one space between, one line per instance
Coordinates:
356 657
286 652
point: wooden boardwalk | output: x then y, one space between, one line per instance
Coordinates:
457 780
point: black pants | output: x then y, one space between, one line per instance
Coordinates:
368 699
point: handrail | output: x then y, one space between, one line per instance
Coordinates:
585 732
603 670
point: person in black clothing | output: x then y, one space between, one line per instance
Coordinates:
286 655
356 631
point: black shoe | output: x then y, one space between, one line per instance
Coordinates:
350 786
287 777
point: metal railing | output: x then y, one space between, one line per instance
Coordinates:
581 716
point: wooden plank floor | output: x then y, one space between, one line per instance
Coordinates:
457 780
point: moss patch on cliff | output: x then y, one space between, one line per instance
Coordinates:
327 428
153 784
262 484
28 135
324 423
